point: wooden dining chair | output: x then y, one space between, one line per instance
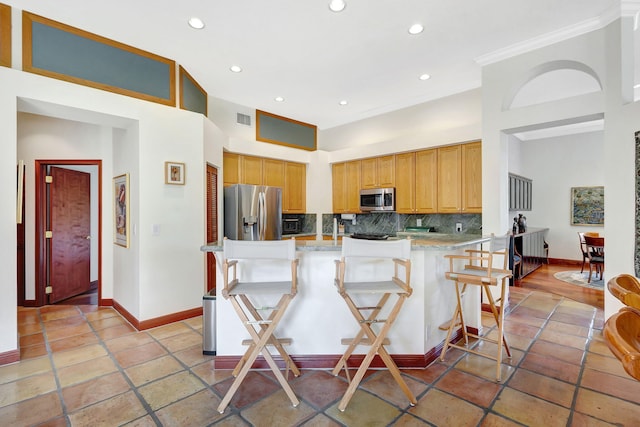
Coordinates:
621 332
595 253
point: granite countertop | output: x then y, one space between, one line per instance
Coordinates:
425 241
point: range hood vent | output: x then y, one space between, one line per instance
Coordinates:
243 119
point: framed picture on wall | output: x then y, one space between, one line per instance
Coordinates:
121 210
174 173
587 206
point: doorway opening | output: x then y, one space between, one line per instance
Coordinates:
68 237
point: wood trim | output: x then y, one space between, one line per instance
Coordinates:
286 119
27 59
5 35
107 302
328 361
11 356
157 321
183 72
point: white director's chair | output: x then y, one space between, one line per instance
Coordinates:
359 259
247 297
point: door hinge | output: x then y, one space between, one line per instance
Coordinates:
48 290
48 234
48 179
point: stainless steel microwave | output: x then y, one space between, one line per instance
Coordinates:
378 200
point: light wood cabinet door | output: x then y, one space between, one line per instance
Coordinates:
230 169
405 182
369 172
251 168
338 179
472 177
378 172
387 171
352 184
273 171
449 179
426 181
295 189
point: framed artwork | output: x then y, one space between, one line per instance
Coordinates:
587 206
174 173
121 210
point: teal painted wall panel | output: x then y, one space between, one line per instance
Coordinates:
193 99
274 129
76 56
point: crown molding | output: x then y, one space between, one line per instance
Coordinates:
628 8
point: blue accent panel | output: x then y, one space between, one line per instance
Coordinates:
193 99
275 129
76 56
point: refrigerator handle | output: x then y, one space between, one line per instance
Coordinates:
265 213
261 214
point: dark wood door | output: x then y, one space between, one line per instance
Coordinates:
212 223
70 223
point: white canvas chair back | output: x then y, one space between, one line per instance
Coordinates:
261 249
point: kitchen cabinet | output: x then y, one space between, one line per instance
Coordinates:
290 176
251 170
346 186
295 188
472 177
406 183
231 169
378 172
273 172
427 181
460 178
416 182
449 179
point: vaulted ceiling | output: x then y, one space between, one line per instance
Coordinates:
314 58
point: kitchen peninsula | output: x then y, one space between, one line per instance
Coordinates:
318 319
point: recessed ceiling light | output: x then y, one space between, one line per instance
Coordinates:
337 5
196 23
416 29
235 68
279 98
425 77
343 102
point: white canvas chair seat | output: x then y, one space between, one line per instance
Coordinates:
261 327
484 268
369 253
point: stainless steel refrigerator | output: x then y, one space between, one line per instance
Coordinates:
252 212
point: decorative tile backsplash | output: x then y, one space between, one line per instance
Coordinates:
390 223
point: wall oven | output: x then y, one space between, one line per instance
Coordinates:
378 200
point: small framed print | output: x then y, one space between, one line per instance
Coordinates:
174 173
121 210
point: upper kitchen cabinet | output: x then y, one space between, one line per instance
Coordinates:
346 186
251 170
406 183
231 169
427 181
460 178
472 177
290 176
273 171
378 172
295 193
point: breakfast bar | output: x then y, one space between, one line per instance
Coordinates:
318 319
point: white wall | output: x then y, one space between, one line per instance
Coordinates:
555 165
157 274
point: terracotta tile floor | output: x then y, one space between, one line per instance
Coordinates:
86 366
